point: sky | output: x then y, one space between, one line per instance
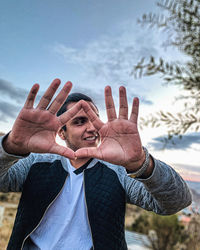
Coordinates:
93 44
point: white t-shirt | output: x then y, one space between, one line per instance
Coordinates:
65 224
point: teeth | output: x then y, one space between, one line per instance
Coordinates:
90 138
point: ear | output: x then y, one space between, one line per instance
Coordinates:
61 133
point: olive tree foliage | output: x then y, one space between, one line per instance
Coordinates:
167 232
163 232
180 21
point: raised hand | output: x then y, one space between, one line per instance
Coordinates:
120 140
35 129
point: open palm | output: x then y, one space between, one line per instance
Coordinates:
120 140
35 129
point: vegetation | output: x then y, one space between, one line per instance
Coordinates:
180 20
9 201
164 232
167 232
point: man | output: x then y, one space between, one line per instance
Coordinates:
74 197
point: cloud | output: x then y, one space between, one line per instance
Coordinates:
97 96
8 110
176 143
99 99
188 168
104 59
110 59
15 93
188 171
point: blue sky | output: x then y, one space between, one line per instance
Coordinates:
92 44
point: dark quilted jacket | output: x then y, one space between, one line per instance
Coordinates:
40 178
105 203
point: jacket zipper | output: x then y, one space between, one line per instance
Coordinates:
43 215
87 209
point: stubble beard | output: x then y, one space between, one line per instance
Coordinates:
75 148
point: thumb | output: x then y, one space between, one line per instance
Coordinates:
63 151
91 152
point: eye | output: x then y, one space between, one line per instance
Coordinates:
80 121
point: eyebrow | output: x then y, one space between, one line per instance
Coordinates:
79 117
83 117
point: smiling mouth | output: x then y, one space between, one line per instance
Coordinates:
90 138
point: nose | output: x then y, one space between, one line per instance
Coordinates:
90 127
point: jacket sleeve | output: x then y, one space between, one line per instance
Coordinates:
164 192
13 170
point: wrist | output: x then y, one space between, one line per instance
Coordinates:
145 169
11 148
136 165
148 172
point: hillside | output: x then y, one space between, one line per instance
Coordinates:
9 201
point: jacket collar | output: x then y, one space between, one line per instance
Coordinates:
91 163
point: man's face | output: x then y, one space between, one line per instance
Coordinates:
80 131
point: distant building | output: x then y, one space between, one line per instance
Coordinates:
1 215
184 219
136 241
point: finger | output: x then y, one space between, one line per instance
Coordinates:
123 104
64 151
31 96
97 123
91 152
60 98
70 113
110 106
135 110
46 98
